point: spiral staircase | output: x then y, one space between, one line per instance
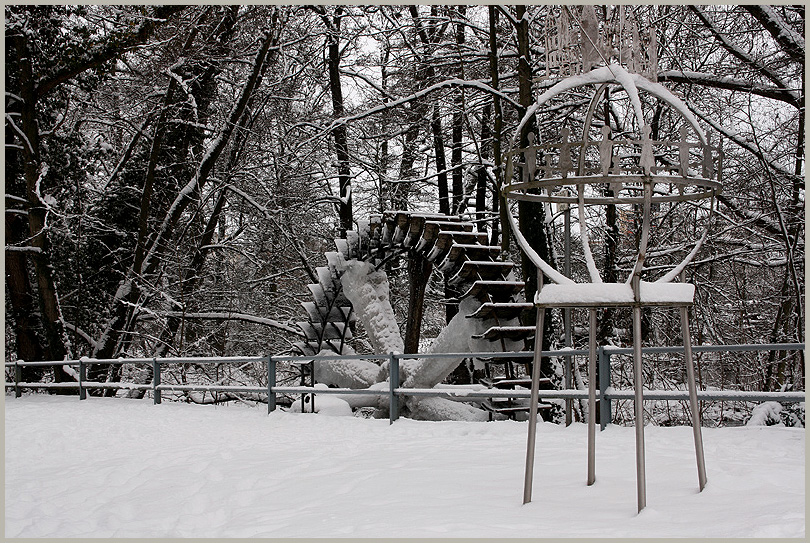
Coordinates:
470 265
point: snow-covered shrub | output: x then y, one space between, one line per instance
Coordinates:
775 414
793 415
766 414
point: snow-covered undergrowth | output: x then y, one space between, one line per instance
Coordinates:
127 468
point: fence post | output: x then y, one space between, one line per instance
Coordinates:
271 382
605 415
393 378
17 378
82 379
156 380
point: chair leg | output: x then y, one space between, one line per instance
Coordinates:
592 398
694 406
641 485
538 346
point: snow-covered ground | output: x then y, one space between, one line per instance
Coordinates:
127 468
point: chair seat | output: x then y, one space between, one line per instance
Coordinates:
614 294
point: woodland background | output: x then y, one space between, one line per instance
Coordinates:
174 174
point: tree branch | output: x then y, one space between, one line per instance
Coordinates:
215 315
745 145
791 42
728 83
110 50
736 51
209 160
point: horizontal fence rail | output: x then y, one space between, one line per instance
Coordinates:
605 392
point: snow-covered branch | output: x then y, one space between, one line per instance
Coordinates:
209 160
728 83
791 42
79 332
735 50
447 83
732 135
225 316
25 249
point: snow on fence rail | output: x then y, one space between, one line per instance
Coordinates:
605 392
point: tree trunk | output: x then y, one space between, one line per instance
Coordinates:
481 173
458 126
497 206
532 214
34 171
21 298
611 242
399 193
419 269
341 141
441 161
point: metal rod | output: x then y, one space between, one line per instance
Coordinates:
393 378
569 404
271 383
693 401
515 354
538 352
17 380
156 380
638 383
605 415
82 379
312 383
460 395
592 398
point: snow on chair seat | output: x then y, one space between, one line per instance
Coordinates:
614 294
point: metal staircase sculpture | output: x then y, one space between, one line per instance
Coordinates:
457 249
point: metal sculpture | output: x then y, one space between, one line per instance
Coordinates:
631 169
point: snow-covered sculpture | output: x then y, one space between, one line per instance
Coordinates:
637 174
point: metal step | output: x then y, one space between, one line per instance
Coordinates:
506 409
481 269
503 310
504 383
514 333
494 291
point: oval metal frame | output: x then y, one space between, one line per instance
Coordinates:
701 188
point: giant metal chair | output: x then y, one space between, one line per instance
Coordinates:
632 171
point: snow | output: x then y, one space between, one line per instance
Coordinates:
615 293
456 337
368 291
109 467
347 373
766 414
442 409
583 234
324 405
